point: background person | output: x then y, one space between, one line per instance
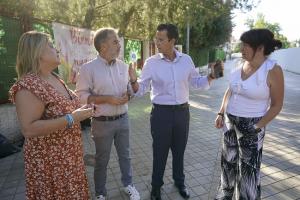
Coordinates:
253 99
104 81
49 116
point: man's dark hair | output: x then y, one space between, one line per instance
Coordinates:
172 30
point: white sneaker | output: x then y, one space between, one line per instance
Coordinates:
132 192
100 197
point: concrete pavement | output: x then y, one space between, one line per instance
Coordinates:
281 155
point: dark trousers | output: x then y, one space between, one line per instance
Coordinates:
169 130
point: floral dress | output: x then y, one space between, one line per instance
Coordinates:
54 167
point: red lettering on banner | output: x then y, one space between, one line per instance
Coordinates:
78 38
80 62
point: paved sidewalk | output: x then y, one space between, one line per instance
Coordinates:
281 155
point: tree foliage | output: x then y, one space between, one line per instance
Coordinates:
210 20
261 22
132 46
210 23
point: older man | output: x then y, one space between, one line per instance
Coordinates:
170 74
103 82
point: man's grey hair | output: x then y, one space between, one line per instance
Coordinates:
101 36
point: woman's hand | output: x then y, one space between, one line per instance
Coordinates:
83 113
219 122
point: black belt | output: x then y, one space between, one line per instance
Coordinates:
109 118
184 105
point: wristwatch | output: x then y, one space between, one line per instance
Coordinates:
257 130
211 76
133 82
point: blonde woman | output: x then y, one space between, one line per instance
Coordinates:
49 114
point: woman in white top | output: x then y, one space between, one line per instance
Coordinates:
254 97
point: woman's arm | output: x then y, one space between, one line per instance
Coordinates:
276 83
220 117
30 110
225 100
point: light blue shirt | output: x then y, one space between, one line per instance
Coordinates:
170 80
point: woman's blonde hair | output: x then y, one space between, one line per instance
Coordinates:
31 45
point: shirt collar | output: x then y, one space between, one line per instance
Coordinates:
105 61
177 54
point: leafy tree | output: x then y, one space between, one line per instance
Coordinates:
210 20
295 43
261 22
132 17
23 9
243 5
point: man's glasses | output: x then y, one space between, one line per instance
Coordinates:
160 40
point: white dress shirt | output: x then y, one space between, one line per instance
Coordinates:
97 77
170 80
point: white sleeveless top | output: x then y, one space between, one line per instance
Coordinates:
251 97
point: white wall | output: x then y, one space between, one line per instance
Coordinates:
288 59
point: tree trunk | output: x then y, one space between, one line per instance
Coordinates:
126 20
89 16
26 15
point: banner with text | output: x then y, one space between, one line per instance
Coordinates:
76 47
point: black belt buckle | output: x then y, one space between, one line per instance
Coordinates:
109 118
184 105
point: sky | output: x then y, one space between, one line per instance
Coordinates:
284 12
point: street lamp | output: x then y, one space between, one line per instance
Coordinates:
188 37
188 32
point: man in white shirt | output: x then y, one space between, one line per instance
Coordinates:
103 82
170 74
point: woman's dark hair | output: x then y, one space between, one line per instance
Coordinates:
261 36
172 30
